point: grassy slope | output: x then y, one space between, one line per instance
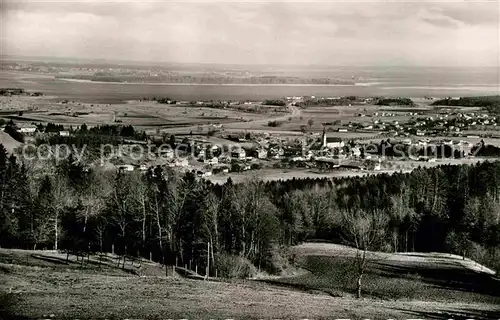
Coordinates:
415 276
38 284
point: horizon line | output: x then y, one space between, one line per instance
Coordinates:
66 59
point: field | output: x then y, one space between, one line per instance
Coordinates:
41 284
146 115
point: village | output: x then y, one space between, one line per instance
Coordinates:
380 139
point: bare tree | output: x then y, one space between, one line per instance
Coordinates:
251 204
139 194
177 194
62 197
212 206
156 207
364 230
94 197
401 218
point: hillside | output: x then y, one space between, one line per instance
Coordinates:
41 284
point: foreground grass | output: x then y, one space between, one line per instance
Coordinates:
66 292
410 276
337 277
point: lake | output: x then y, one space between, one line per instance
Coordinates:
435 82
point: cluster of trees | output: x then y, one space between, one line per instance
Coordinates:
11 91
274 123
490 103
394 101
11 130
50 128
280 103
163 100
127 131
341 101
92 137
173 217
18 92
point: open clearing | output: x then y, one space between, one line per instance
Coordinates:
38 284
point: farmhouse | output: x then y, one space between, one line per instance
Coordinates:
331 142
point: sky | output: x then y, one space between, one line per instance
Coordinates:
338 33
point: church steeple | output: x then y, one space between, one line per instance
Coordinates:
323 137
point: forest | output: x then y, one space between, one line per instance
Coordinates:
171 217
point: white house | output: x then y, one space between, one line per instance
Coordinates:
28 130
238 154
64 133
331 142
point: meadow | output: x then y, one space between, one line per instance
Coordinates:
43 284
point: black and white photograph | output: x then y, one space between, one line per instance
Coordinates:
257 159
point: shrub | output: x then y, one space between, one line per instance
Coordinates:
274 123
280 261
394 288
234 267
256 166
